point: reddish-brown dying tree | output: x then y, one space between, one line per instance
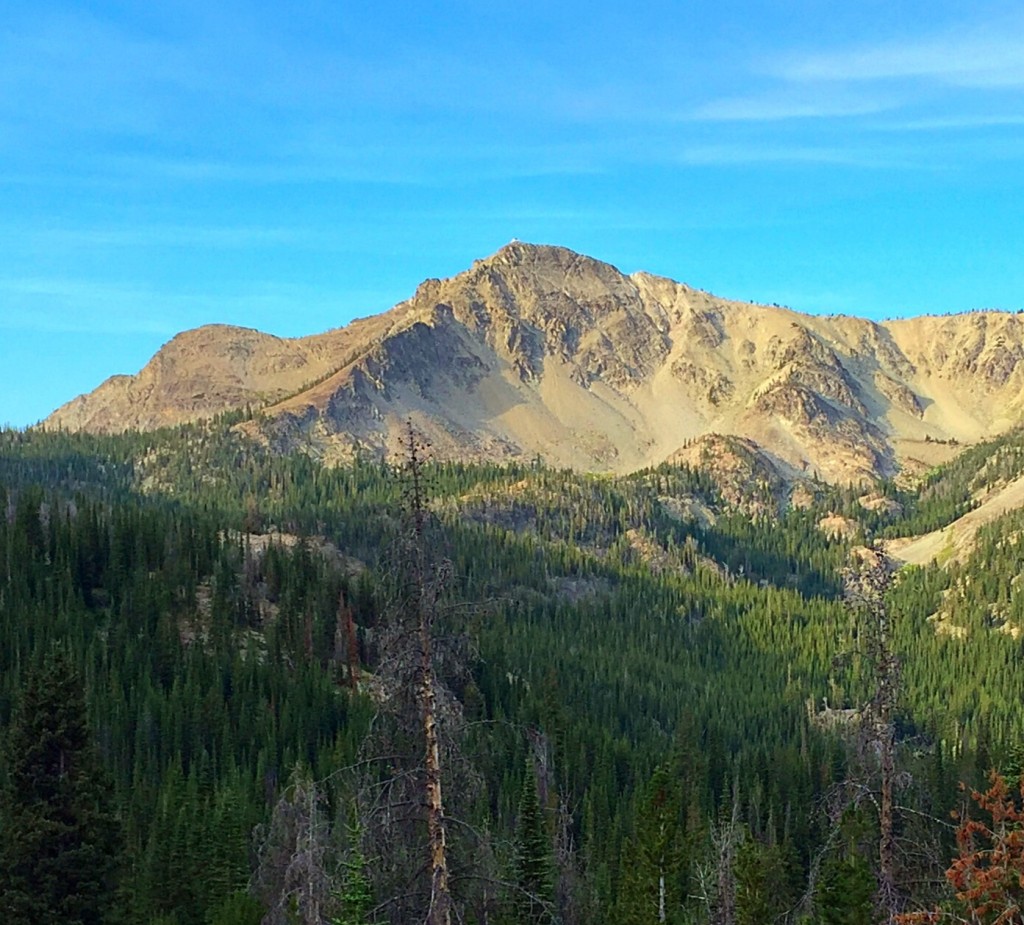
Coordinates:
988 873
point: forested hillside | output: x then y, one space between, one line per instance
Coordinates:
651 700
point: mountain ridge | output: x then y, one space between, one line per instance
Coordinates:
540 351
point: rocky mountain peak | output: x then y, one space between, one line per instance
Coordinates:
538 350
544 275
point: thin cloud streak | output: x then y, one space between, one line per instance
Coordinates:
426 165
772 107
80 306
738 155
951 123
74 74
986 57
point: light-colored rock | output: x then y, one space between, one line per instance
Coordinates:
955 542
539 351
835 525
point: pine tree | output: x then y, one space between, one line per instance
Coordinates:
765 882
846 889
355 897
59 837
533 858
654 860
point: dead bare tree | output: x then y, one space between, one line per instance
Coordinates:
567 865
866 585
715 877
403 809
908 853
426 584
346 642
293 879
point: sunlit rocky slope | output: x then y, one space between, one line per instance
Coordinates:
539 351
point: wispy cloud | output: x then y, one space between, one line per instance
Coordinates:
865 157
788 103
989 56
931 81
965 122
67 72
332 157
50 305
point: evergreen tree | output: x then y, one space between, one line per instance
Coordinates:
533 858
766 885
654 860
355 898
59 838
846 889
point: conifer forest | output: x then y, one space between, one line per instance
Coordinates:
240 688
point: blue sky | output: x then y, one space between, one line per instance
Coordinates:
291 166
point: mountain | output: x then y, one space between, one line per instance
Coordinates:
540 351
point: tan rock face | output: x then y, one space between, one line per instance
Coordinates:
539 351
198 374
745 474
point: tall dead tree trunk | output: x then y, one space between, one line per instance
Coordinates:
726 841
886 695
412 766
440 895
424 597
866 587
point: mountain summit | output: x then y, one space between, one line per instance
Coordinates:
540 351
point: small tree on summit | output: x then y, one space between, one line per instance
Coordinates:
59 838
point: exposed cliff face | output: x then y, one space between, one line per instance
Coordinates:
541 351
745 474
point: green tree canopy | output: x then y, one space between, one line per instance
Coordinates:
58 835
